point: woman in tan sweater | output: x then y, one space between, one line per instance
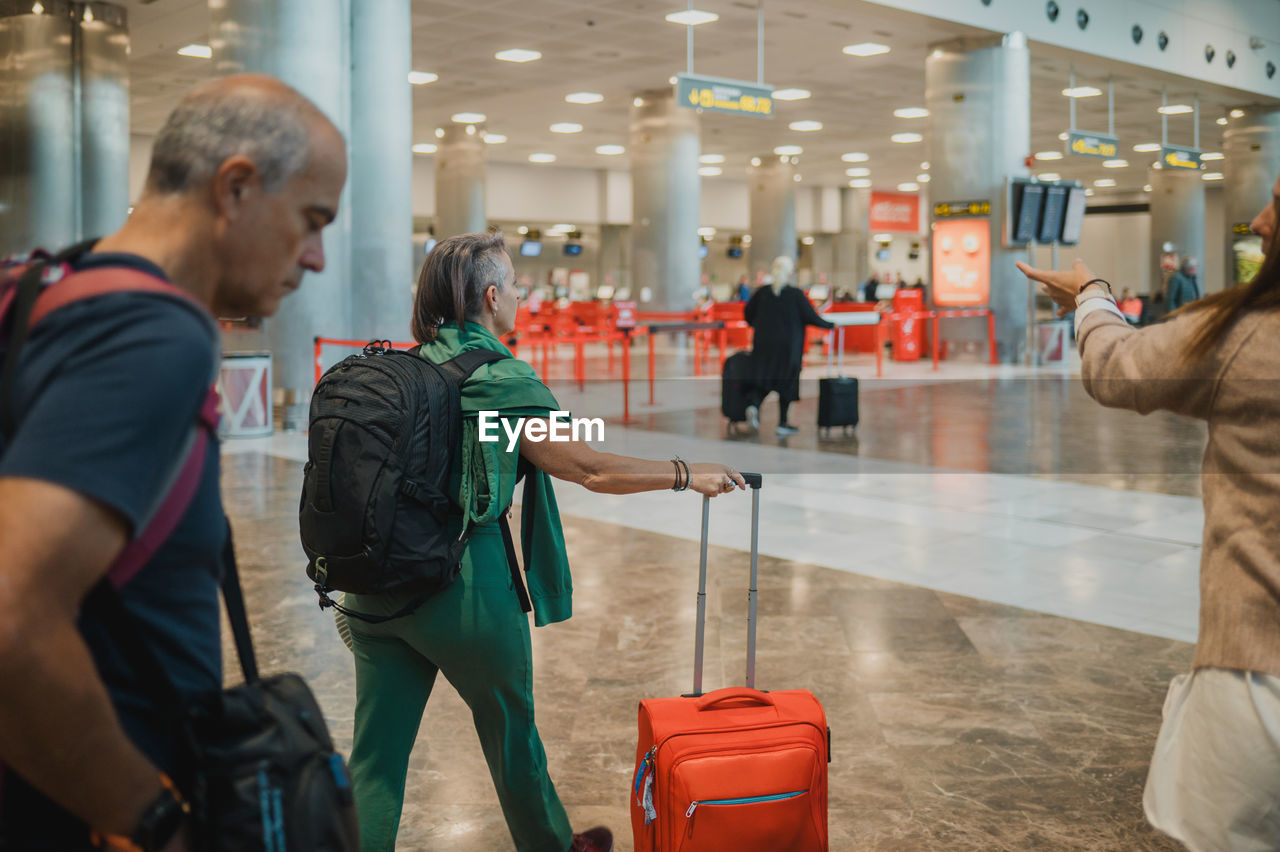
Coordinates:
1214 782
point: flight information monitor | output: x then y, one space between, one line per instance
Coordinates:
1073 218
530 248
1055 205
1028 202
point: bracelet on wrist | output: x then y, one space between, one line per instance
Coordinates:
156 826
1093 281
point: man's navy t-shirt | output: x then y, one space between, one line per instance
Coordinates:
108 392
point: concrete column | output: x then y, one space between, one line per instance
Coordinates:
772 197
1251 145
64 123
381 179
852 267
665 202
460 180
612 267
978 95
1177 217
305 43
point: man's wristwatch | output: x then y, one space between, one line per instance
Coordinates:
158 824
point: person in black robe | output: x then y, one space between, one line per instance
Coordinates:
779 313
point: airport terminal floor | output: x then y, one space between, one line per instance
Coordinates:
989 588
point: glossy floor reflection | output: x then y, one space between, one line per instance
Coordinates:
958 723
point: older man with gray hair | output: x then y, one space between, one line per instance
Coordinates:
108 392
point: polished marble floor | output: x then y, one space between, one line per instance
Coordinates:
988 587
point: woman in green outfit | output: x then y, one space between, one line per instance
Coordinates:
476 631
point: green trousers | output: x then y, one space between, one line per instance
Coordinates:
475 633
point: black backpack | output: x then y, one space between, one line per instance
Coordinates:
374 510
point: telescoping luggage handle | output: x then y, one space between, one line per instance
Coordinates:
754 481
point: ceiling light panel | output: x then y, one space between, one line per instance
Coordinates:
584 97
1146 147
911 112
1048 155
866 48
421 78
859 171
692 17
517 54
494 138
1082 92
805 126
566 127
542 158
610 150
709 171
906 138
199 51
788 150
711 159
791 94
467 117
1175 109
855 157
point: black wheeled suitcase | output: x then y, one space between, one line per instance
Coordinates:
837 395
735 382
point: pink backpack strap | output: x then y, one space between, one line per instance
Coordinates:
176 501
100 282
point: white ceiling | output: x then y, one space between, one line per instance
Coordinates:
618 47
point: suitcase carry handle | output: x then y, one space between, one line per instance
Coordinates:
755 481
734 692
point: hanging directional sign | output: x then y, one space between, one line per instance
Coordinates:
1092 144
716 94
1172 157
951 209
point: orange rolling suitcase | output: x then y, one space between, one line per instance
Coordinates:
737 769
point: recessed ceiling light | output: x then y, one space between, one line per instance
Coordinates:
805 126
1212 155
610 150
424 148
1212 175
860 183
909 186
907 138
866 48
796 177
860 171
925 165
439 132
1104 182
1147 147
883 238
494 138
923 177
1115 164
692 17
791 94
1237 113
1062 137
1175 109
1221 121
566 127
911 112
1050 176
755 161
542 158
1147 188
1048 155
788 150
1082 92
707 232
855 157
1088 192
467 117
523 229
517 54
711 159
584 97
709 171
200 51
421 78
637 102
807 240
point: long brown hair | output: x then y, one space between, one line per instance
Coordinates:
1260 294
453 281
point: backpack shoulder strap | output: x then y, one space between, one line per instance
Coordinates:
460 367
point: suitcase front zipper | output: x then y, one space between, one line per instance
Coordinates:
776 797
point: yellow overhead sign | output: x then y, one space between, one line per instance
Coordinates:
1092 144
953 209
728 96
1180 158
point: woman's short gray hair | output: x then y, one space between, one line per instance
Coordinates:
208 127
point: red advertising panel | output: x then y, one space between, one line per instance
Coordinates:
961 262
892 212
